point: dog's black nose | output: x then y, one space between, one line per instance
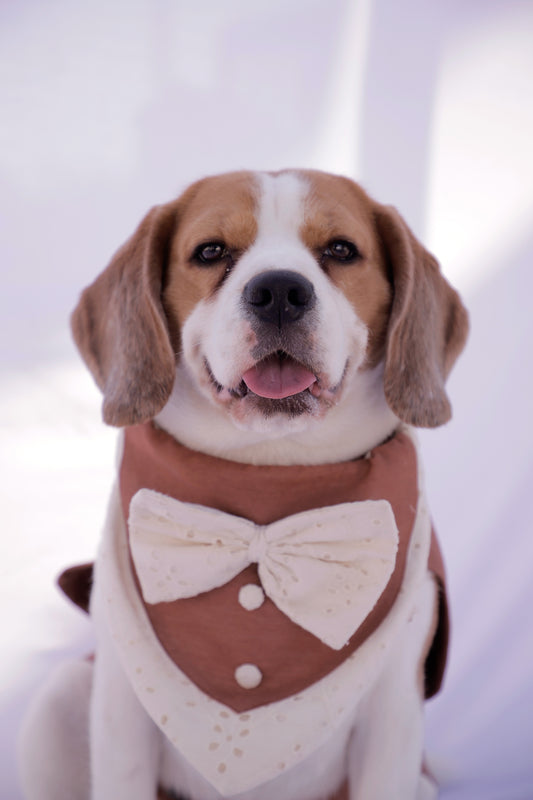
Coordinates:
279 296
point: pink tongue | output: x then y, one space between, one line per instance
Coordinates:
276 379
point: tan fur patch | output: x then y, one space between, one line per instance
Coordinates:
336 208
220 208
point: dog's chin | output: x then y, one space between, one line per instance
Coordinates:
284 415
280 416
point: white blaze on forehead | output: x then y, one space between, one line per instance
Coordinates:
281 206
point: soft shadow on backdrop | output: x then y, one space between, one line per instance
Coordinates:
108 108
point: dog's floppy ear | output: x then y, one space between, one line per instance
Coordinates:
427 329
121 329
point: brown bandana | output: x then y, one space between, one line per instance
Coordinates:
209 636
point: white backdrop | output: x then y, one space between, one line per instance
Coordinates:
108 108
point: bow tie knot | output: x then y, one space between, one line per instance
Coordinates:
325 568
258 547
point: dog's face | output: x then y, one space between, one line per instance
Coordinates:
271 293
279 291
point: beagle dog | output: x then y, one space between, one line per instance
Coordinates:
267 599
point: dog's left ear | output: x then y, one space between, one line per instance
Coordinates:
120 326
427 329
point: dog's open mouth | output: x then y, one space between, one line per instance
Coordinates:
278 376
278 384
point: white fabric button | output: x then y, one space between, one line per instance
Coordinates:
248 676
251 596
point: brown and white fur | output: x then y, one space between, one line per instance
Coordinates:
169 330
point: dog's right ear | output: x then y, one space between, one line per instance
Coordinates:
120 326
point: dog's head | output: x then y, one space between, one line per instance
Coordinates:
271 292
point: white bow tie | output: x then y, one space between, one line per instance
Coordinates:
325 569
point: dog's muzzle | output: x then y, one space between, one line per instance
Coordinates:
277 302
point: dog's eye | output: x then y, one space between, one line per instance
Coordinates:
341 250
211 253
